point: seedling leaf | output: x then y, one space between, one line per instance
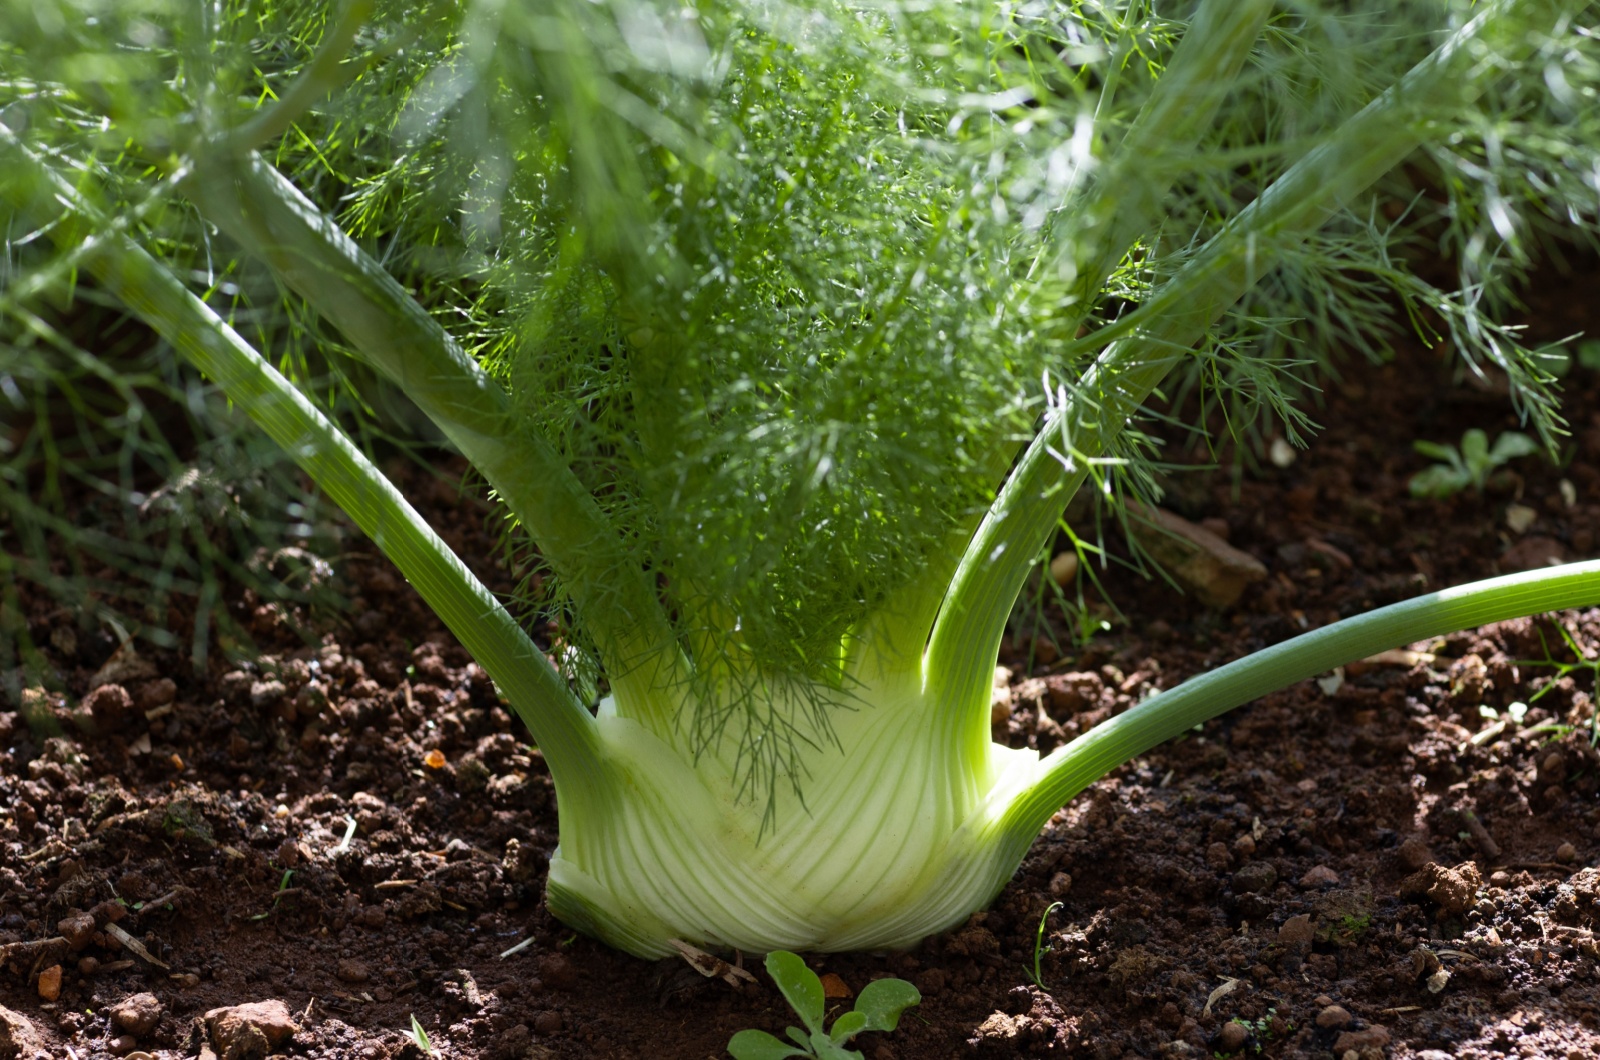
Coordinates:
847 1026
1511 445
1438 481
882 1001
759 1045
800 986
1437 451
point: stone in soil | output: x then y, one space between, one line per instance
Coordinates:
18 1039
238 1031
137 1014
1453 889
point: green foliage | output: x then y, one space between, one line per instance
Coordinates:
878 1008
417 1033
1468 466
1039 948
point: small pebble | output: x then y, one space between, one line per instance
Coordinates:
1319 876
547 1022
137 1014
77 929
1333 1017
50 983
1245 845
1232 1036
352 971
1566 853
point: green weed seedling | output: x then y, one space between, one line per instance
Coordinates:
1470 465
877 1008
419 1034
1040 949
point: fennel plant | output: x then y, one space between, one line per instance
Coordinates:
786 331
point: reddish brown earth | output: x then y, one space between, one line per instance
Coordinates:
1362 869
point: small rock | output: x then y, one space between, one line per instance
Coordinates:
1232 1036
352 971
1453 889
237 1030
1255 877
1296 931
109 704
76 928
50 983
835 987
123 1044
1414 853
1202 561
1333 1017
87 966
1519 517
1319 876
1566 853
1373 1037
137 1014
1245 845
265 694
18 1039
1060 884
547 1022
1073 692
1064 569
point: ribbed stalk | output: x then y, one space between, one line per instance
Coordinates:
562 727
1331 176
257 206
1108 745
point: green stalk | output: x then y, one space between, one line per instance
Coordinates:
560 724
1111 392
1108 745
257 206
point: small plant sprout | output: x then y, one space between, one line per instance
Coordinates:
1039 948
878 1008
419 1034
1469 466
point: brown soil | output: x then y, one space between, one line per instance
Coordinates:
1367 868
